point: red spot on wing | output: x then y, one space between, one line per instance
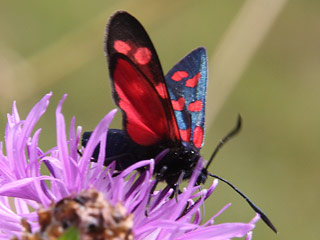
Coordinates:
195 106
146 119
121 47
142 55
162 90
179 104
197 137
192 82
185 134
179 75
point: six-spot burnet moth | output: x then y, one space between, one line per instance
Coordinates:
161 114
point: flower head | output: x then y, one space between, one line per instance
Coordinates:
71 173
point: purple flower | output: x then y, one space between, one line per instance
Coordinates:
71 173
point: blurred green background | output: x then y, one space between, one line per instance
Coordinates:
264 62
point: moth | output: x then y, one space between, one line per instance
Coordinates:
161 113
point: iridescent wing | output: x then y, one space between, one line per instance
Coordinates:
187 86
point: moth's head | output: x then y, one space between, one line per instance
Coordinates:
178 159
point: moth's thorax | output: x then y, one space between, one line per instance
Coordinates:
182 158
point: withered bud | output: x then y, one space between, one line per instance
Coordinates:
88 212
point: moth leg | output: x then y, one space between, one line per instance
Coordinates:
159 177
177 185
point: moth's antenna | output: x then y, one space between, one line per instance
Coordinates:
252 205
225 139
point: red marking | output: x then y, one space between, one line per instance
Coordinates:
161 89
195 106
121 47
142 55
179 75
179 104
192 82
198 136
147 122
185 134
